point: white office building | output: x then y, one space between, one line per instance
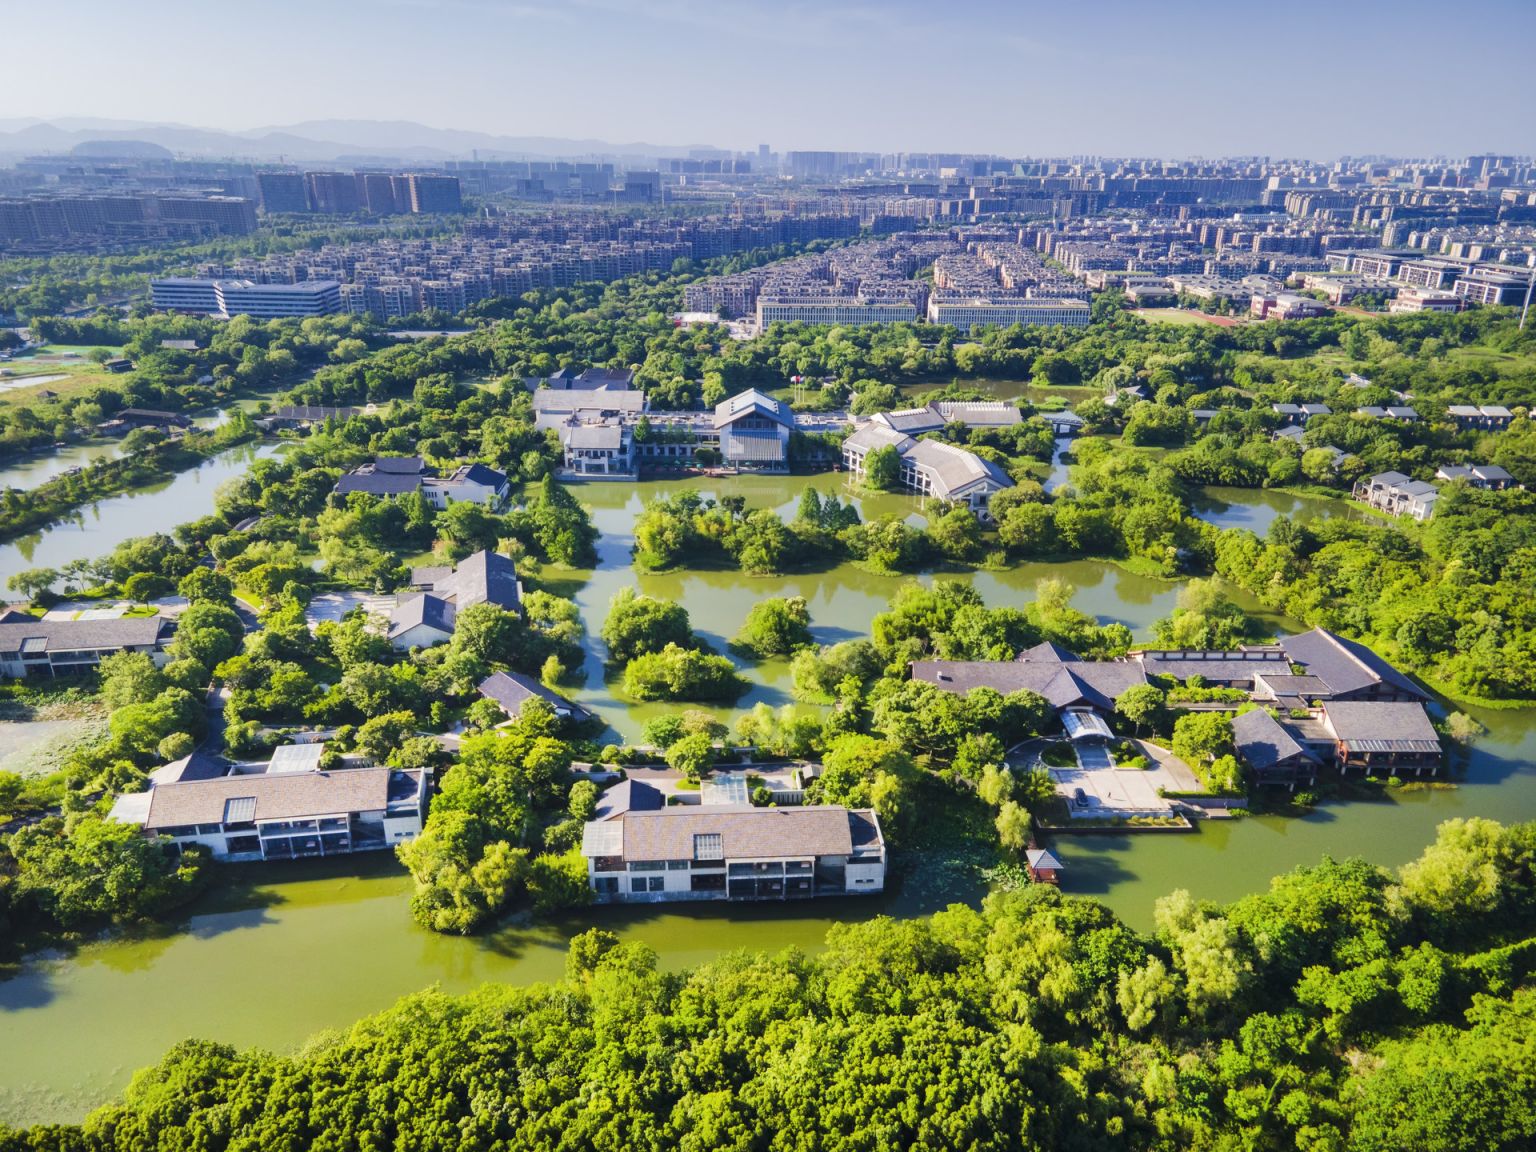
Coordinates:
247 298
967 314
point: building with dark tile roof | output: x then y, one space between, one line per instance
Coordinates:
1064 684
427 618
511 690
1380 737
1271 752
1349 669
30 647
735 852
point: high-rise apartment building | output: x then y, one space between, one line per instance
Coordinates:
282 192
429 193
376 194
332 192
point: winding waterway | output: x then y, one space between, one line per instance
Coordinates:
29 471
309 946
95 529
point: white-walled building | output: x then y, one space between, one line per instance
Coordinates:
476 483
834 310
246 297
31 647
285 810
643 851
930 467
429 616
1003 312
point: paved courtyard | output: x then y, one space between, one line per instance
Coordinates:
335 605
1115 791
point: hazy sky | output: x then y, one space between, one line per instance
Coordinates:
1124 77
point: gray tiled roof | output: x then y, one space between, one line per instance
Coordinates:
399 465
1262 741
480 578
617 379
298 795
83 635
746 833
424 608
603 437
1234 665
753 403
482 474
1049 652
1283 683
1096 683
981 413
378 483
547 400
1371 725
629 796
954 471
511 690
1344 665
875 435
913 421
196 766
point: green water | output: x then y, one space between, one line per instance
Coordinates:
95 529
32 469
304 947
842 599
316 945
1257 508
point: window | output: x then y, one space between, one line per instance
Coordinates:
639 884
647 865
606 885
658 883
677 865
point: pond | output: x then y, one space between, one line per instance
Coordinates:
96 529
842 599
314 945
13 383
27 472
1257 508
296 948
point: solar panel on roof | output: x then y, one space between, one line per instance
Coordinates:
239 809
708 846
725 788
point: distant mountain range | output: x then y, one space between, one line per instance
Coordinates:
314 140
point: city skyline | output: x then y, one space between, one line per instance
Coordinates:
1013 80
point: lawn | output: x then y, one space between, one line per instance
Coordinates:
53 361
1172 316
1502 362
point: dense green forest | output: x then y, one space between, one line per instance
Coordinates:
1345 1009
